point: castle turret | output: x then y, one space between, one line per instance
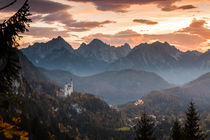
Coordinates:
68 88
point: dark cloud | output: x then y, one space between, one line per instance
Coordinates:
122 5
73 25
37 6
174 7
145 21
187 7
51 12
48 32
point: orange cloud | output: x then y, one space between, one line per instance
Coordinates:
73 25
197 27
145 21
37 6
182 41
48 32
189 38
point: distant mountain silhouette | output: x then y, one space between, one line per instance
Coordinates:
197 90
58 54
166 60
176 99
162 58
155 56
88 59
114 86
172 102
98 50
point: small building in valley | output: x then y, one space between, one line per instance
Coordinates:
67 90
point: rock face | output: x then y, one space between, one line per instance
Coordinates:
172 64
40 52
162 58
155 56
55 54
88 59
98 50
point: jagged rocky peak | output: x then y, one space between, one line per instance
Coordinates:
59 41
193 53
123 50
97 43
52 49
83 45
58 38
157 43
55 43
163 45
101 51
156 46
126 45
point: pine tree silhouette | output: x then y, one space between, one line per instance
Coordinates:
176 132
192 129
144 130
9 35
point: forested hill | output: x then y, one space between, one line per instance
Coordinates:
44 115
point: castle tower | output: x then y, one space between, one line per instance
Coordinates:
68 89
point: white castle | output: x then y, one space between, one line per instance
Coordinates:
66 91
68 88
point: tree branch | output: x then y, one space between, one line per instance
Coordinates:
14 1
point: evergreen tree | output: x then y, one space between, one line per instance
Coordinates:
176 132
10 71
192 129
9 35
144 130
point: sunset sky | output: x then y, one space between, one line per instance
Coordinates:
183 23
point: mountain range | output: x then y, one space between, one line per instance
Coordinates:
162 58
88 59
92 116
115 87
98 50
158 57
172 64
